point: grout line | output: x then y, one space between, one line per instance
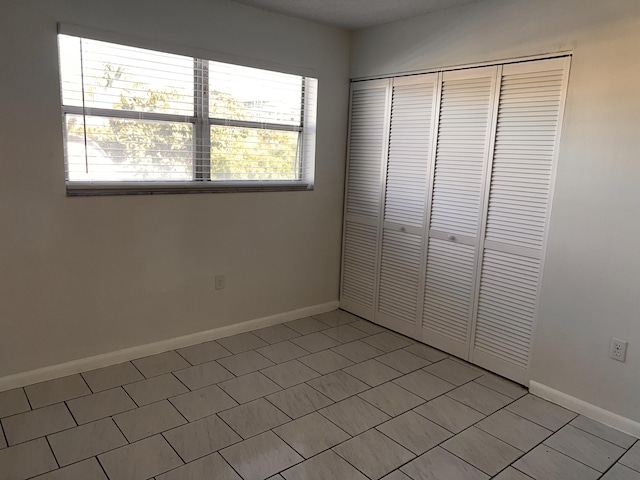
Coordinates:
52 452
101 466
600 437
24 391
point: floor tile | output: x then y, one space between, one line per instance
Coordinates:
282 352
449 413
391 399
311 434
424 384
26 460
242 342
203 375
479 398
501 385
315 342
86 470
543 413
426 352
13 402
632 458
261 456
511 473
200 438
244 363
299 400
386 341
368 327
202 403
482 450
544 463
354 415
620 472
204 352
290 373
403 361
584 447
414 432
57 390
86 441
252 418
100 405
307 325
344 333
357 351
338 385
372 372
326 361
3 442
155 389
113 376
249 387
600 430
438 464
37 423
373 454
140 460
513 429
453 372
326 466
201 470
336 318
276 334
160 364
149 420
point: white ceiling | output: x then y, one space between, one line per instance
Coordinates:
352 14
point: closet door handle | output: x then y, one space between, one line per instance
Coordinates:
451 238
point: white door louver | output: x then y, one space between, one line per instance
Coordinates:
367 146
464 130
526 140
413 103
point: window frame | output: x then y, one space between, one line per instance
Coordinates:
202 123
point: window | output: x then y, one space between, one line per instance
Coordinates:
139 120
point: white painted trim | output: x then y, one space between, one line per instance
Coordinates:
127 354
588 410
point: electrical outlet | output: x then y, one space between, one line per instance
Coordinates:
618 349
220 282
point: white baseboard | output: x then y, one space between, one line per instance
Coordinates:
127 354
601 415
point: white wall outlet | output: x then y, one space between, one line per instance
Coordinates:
618 349
220 282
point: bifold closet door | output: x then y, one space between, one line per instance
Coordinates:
368 136
529 117
413 106
467 106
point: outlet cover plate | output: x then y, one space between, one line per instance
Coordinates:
618 349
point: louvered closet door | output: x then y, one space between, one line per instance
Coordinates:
368 134
464 139
529 115
413 104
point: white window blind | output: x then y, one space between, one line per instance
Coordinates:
140 120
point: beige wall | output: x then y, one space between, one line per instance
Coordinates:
85 276
591 286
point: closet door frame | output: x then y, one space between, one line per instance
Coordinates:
345 303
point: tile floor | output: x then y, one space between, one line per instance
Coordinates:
324 397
